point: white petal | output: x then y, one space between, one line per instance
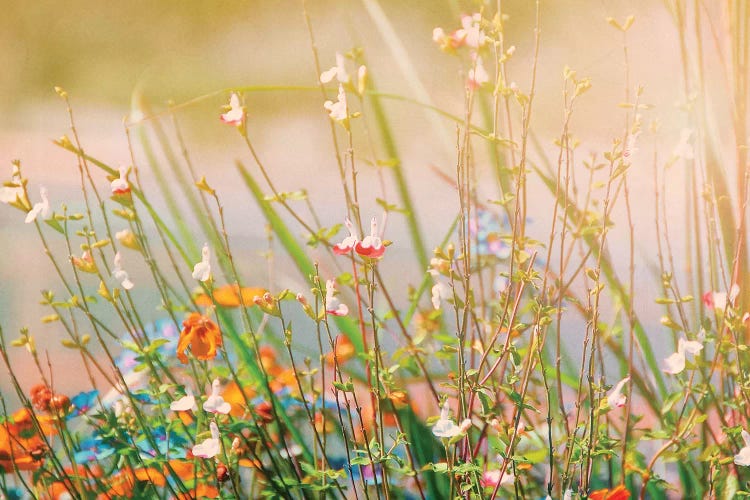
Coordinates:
33 213
328 75
692 346
675 363
436 296
746 437
202 271
185 403
734 292
743 457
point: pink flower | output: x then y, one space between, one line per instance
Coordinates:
470 32
371 246
333 306
236 114
719 300
349 242
490 478
120 186
211 446
215 403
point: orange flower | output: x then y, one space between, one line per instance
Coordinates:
229 296
21 443
284 378
619 493
122 483
344 350
233 395
202 335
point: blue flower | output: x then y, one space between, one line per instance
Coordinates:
83 402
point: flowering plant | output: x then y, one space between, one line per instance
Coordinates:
512 361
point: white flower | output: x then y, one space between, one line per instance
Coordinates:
720 300
568 495
338 110
215 403
676 362
120 274
185 403
478 75
438 35
39 208
236 114
684 148
734 291
333 306
445 428
11 194
616 398
338 71
440 291
202 270
743 457
211 446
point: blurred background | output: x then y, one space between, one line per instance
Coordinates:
108 55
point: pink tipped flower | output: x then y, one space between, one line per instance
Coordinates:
720 300
348 243
202 270
211 446
215 403
338 71
338 110
372 246
333 306
120 274
743 457
491 478
470 33
236 114
616 399
121 186
675 363
185 403
39 208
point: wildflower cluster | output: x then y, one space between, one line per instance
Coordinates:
505 363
